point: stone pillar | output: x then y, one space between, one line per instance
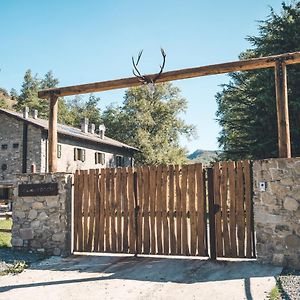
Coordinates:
43 223
277 211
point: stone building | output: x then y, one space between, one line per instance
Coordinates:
24 146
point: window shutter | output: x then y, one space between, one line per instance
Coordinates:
83 155
75 154
96 160
102 159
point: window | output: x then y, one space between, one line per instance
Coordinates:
79 154
99 158
120 162
58 151
15 145
4 146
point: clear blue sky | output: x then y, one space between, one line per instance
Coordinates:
89 40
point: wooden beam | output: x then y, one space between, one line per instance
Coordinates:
52 134
242 65
284 141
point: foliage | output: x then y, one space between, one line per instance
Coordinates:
275 294
247 104
16 268
150 122
4 236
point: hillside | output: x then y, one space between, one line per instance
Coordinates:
202 156
5 99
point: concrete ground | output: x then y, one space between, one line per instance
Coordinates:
126 277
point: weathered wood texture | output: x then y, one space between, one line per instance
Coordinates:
163 219
284 142
235 66
52 158
164 210
233 206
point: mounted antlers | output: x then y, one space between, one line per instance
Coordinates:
143 78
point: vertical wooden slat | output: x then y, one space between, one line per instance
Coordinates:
140 194
159 210
201 213
232 213
91 209
132 233
178 210
191 202
119 212
217 202
224 185
146 235
76 209
85 209
211 211
107 211
97 211
80 210
113 210
102 209
125 208
164 210
171 210
185 246
246 167
240 210
152 178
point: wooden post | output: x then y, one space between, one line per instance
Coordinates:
284 142
52 134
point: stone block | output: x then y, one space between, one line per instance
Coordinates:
292 241
278 259
19 214
42 216
58 237
56 252
290 204
26 233
37 205
17 242
52 201
32 214
35 224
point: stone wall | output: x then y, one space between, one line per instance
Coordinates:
277 211
43 223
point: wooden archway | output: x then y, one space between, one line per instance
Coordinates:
278 62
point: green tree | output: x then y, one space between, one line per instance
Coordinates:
151 123
247 105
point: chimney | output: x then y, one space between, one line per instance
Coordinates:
25 112
84 125
102 131
92 128
35 113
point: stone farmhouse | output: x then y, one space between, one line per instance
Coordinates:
24 146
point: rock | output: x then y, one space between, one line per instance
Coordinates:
35 224
56 251
17 242
26 233
32 214
19 214
43 216
278 259
52 201
58 237
290 204
37 205
292 241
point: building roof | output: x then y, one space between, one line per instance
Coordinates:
69 131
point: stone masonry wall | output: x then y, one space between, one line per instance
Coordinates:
277 211
43 223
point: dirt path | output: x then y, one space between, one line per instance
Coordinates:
126 277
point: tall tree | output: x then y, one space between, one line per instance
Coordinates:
247 105
150 122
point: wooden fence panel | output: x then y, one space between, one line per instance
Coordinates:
163 210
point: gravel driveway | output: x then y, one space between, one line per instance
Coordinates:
126 277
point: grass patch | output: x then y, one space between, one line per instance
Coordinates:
5 237
16 268
275 294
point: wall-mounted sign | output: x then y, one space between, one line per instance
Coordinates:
38 189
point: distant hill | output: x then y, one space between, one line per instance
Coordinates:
202 156
5 99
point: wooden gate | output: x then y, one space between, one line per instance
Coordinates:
165 210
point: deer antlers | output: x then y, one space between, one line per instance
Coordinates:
143 78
